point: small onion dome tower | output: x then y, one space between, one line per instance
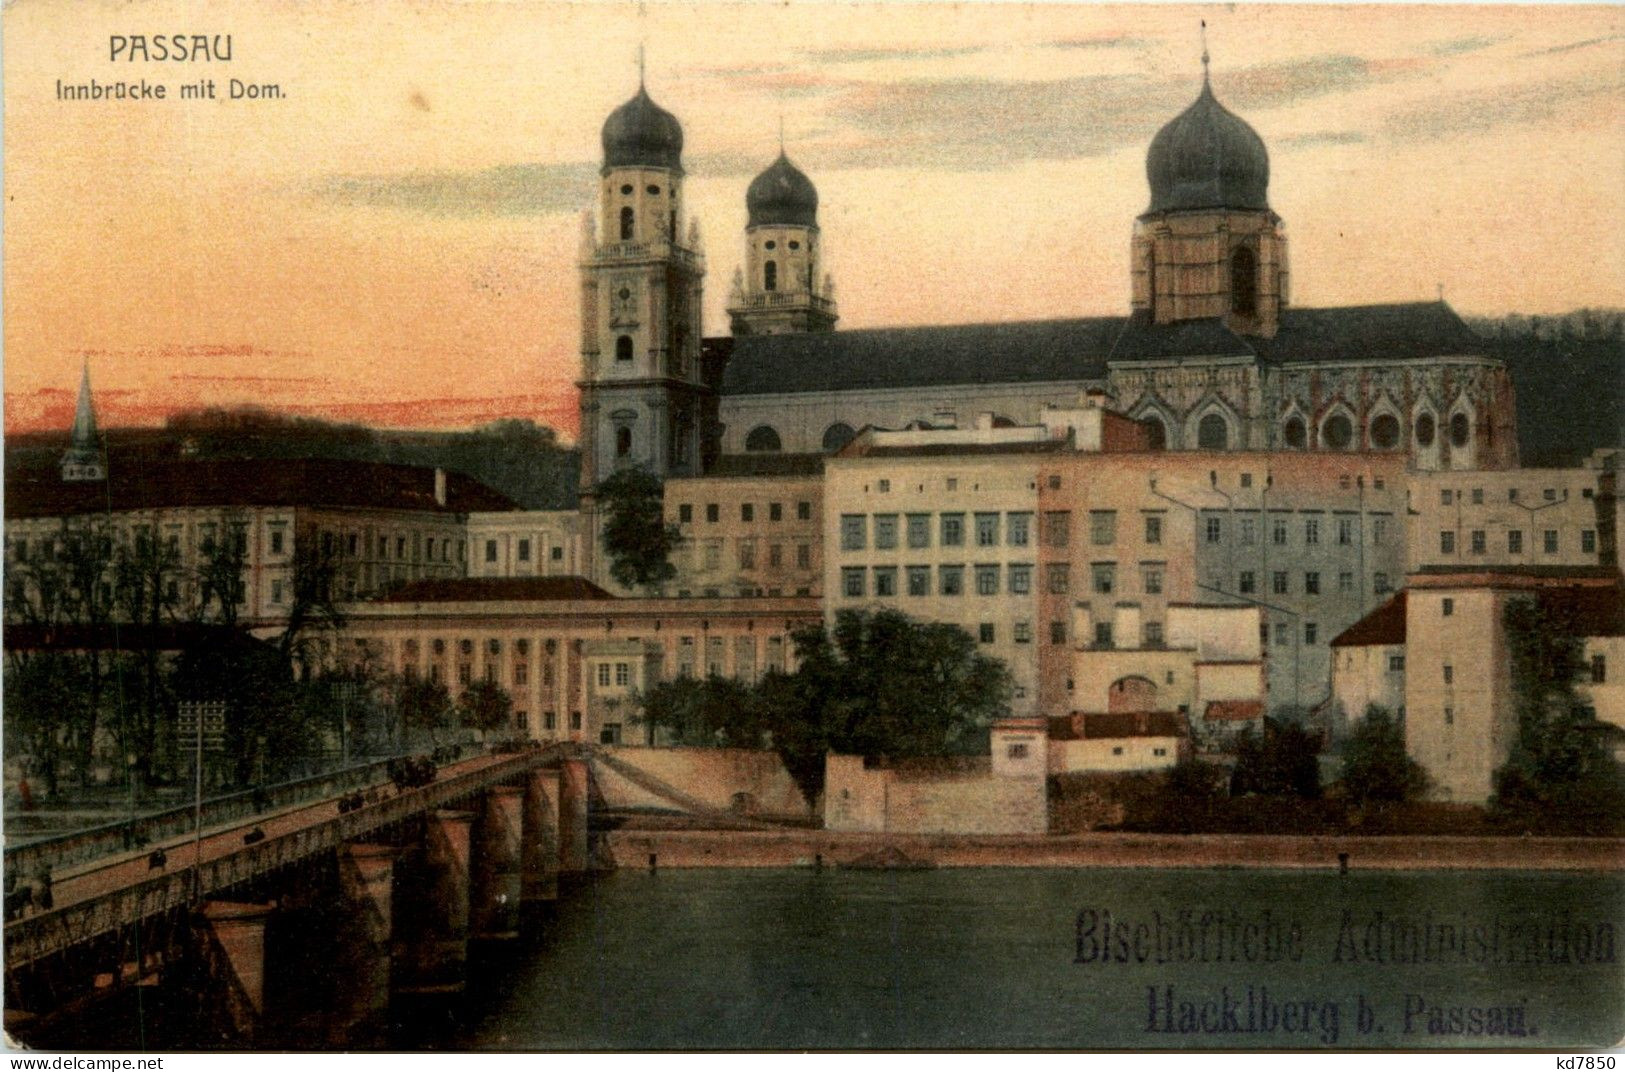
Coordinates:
1209 246
780 289
642 392
83 458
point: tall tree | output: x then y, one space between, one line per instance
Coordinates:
1558 768
636 535
485 706
1376 766
313 611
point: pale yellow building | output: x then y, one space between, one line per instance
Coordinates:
1460 711
753 526
572 657
525 543
1516 517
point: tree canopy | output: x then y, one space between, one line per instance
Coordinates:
636 534
1281 761
1559 768
1376 766
878 684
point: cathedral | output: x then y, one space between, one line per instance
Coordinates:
1212 355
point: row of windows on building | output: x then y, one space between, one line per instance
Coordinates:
397 547
1550 544
521 550
1452 496
617 673
1281 583
745 548
991 529
1343 532
747 512
1103 579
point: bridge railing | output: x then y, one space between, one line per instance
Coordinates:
50 854
50 932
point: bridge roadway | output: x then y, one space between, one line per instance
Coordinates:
113 892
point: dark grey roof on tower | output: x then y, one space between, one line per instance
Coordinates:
782 194
640 133
1047 351
1207 157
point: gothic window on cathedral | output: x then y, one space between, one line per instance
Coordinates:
1244 282
1338 433
770 275
1424 430
1385 432
837 436
1213 433
1295 434
626 224
762 439
1156 433
1460 427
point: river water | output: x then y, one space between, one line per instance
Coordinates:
721 959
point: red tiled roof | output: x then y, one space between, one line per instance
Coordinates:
1099 725
204 482
495 590
1233 710
1385 625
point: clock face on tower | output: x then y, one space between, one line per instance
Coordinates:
623 302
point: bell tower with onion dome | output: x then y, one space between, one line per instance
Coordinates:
643 398
1209 246
780 291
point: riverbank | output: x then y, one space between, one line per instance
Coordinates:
809 848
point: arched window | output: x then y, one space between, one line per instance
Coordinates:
1424 430
623 348
626 224
770 275
1385 431
1294 433
1133 693
623 441
1244 282
762 438
1460 428
1213 433
1337 433
837 436
1156 433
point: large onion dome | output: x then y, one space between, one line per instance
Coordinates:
1207 157
640 133
782 195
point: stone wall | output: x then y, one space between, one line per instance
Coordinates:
859 798
723 779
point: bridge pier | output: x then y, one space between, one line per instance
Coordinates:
539 848
498 844
573 799
433 957
234 933
366 926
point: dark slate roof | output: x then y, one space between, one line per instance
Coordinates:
1029 351
1385 626
203 482
495 590
1404 330
767 464
1039 351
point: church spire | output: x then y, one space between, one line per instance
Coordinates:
1204 53
83 458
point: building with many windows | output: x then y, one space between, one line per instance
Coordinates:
753 526
572 657
1517 517
525 543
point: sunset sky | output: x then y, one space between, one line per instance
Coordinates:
395 241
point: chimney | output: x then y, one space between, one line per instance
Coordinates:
440 487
